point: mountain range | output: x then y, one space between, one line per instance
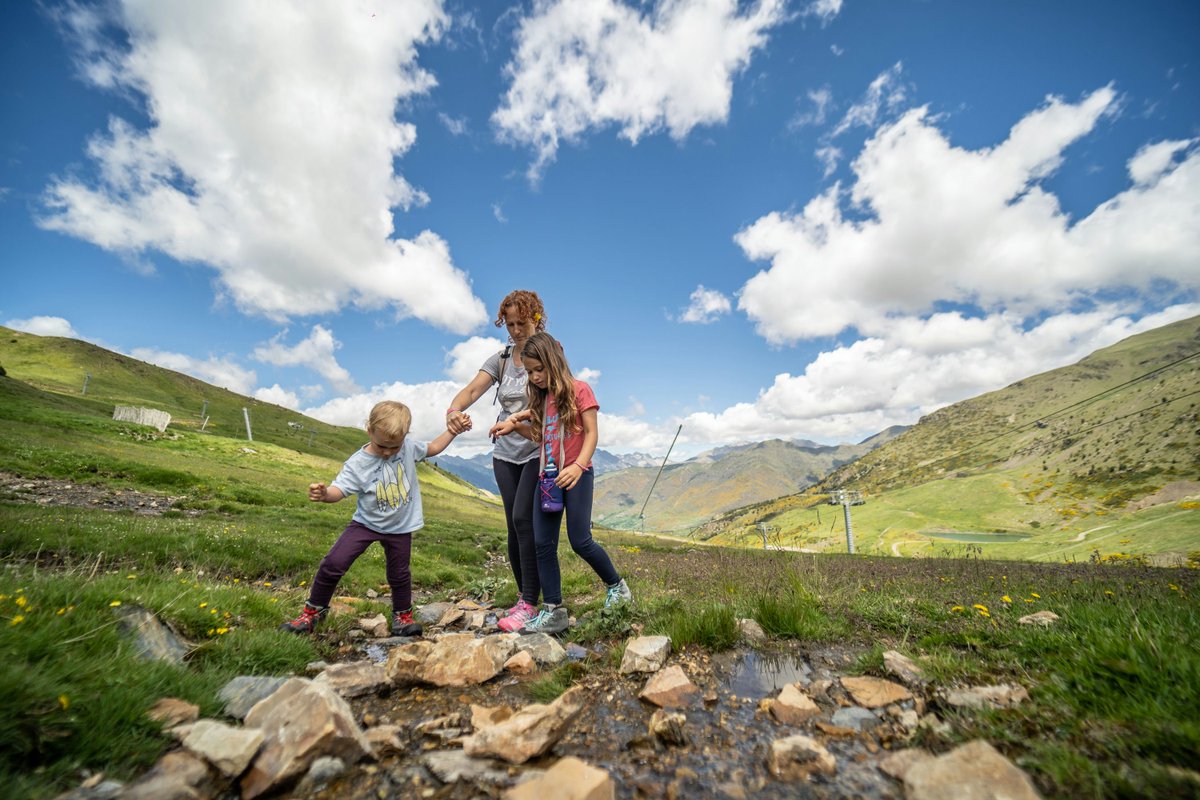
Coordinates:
477 469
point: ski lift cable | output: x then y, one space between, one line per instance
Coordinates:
642 513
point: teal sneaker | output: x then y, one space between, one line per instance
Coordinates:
549 620
617 594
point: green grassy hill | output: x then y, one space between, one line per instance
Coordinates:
1098 459
692 492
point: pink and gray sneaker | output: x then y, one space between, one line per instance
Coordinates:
517 616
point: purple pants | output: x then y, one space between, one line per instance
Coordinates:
397 550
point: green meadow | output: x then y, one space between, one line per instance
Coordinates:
1114 686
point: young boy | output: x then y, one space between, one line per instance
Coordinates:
383 474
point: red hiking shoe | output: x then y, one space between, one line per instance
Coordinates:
403 624
307 621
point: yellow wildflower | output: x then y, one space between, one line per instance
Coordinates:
983 612
1108 592
64 701
979 607
1035 594
222 631
21 601
115 603
18 619
956 608
204 605
1006 599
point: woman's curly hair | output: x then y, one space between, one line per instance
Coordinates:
528 306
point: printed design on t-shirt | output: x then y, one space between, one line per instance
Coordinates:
549 435
392 488
512 389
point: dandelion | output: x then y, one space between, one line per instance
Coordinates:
1006 599
204 605
114 603
1173 587
212 611
131 577
64 701
222 631
956 609
21 602
1035 594
979 607
18 619
1108 592
1027 600
984 613
61 611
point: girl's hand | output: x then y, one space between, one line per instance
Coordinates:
522 416
567 478
317 491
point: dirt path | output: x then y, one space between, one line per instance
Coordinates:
55 492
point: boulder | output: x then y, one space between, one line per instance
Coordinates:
529 732
645 654
974 771
456 659
569 779
670 688
793 706
227 748
874 692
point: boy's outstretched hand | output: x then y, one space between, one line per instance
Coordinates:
317 492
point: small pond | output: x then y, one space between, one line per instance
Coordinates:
979 538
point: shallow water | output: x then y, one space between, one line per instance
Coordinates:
757 674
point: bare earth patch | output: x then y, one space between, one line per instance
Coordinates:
55 492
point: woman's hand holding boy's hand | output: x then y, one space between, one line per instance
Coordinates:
569 476
457 422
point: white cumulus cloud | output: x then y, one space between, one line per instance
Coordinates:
222 372
44 326
944 223
582 65
315 352
706 305
279 396
268 152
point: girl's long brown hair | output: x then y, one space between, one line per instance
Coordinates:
559 382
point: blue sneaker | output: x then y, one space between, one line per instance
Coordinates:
618 594
549 620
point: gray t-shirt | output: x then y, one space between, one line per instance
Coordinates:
514 448
389 498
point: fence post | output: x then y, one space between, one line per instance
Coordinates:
246 414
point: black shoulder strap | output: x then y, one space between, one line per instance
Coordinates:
504 356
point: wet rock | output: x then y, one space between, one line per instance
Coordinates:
830 729
575 652
241 693
450 616
530 732
521 664
931 723
668 727
377 626
484 716
457 659
301 721
172 711
569 779
645 654
874 692
793 706
355 678
430 614
898 764
469 606
751 631
477 620
451 766
227 748
670 688
153 639
904 668
1043 618
545 649
385 739
94 788
974 771
798 757
860 719
178 774
1005 695
322 771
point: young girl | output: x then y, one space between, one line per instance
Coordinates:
562 418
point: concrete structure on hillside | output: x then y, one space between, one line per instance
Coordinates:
143 416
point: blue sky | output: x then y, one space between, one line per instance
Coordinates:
759 219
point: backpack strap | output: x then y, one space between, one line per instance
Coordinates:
504 356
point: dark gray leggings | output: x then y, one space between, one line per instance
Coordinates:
518 483
577 503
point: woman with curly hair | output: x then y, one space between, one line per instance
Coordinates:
515 458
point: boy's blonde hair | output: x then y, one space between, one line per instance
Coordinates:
390 420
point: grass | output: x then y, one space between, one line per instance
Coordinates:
1114 685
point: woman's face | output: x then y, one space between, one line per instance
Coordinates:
519 328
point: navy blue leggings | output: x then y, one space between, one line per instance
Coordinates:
577 506
397 550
